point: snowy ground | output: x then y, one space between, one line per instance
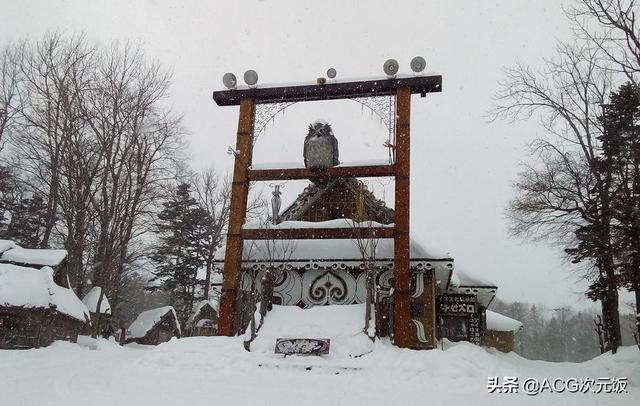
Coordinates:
217 370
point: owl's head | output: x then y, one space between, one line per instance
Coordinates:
320 128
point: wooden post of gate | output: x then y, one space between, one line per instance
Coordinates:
402 277
237 216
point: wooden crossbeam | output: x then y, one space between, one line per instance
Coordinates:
331 91
316 233
334 172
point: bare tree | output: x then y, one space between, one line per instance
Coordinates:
611 26
214 195
565 191
47 119
138 140
367 246
9 82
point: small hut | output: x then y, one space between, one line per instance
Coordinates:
154 326
501 332
203 320
35 311
99 317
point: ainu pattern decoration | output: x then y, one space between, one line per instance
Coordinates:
316 286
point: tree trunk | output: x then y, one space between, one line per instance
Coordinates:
637 294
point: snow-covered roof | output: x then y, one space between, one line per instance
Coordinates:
91 301
463 282
147 319
500 322
325 249
198 307
34 288
6 245
463 277
46 257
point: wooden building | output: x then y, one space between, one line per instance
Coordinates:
203 320
501 332
35 311
99 317
155 326
325 271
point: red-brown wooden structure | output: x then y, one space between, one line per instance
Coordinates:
402 89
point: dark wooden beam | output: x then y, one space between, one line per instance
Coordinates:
331 91
335 172
316 233
237 216
402 328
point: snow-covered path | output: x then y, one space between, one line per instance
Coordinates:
217 370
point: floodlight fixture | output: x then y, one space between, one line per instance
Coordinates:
391 67
251 77
229 80
331 73
418 64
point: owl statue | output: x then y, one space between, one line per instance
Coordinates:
320 147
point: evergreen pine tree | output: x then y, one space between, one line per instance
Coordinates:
182 230
27 220
621 148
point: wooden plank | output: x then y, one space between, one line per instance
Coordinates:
237 216
316 233
334 172
331 91
402 276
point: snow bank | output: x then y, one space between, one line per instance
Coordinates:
91 301
499 322
6 245
147 319
188 370
34 288
47 257
343 325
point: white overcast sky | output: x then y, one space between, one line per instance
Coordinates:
462 166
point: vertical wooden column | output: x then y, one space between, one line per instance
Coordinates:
238 210
402 277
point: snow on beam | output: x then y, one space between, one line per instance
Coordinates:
316 233
334 172
330 91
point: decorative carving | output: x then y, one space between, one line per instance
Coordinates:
420 333
265 113
302 346
328 288
384 107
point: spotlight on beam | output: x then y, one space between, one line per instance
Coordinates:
418 64
229 80
232 151
251 77
331 73
391 67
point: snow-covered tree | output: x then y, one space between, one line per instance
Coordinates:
183 230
